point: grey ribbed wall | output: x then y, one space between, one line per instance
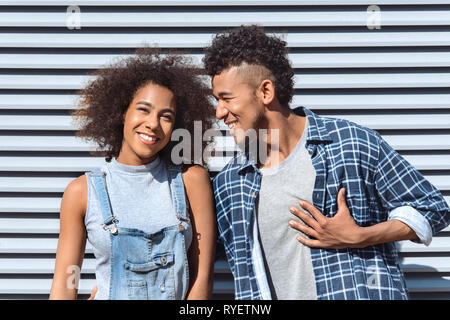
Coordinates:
395 80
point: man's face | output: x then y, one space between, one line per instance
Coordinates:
238 106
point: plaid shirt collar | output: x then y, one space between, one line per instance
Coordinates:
317 133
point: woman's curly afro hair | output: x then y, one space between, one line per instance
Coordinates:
251 45
105 99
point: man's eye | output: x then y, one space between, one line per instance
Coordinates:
167 116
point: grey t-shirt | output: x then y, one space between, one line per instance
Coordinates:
287 261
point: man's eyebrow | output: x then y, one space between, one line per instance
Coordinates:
221 94
224 93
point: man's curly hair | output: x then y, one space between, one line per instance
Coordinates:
105 99
249 44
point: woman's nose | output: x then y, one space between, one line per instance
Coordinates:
152 122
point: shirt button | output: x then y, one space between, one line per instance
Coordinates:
252 194
163 259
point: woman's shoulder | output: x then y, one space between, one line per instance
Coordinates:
76 193
193 174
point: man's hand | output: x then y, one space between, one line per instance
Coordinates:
93 293
340 231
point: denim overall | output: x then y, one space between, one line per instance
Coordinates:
144 266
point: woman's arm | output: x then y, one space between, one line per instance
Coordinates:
72 241
202 250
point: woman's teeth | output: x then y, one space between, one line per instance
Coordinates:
147 138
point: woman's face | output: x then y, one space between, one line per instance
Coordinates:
148 124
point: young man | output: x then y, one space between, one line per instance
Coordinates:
360 194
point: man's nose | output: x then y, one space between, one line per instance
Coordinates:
221 111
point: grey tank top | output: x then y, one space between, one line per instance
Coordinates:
140 198
288 262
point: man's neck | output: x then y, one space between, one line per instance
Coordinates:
285 129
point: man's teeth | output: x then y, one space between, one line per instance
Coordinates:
143 136
231 125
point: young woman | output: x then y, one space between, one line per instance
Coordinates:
151 223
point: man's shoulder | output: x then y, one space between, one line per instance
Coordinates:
342 130
230 169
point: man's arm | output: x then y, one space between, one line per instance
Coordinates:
341 231
416 208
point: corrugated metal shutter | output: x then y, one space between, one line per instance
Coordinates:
394 79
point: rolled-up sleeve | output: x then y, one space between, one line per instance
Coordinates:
400 185
417 222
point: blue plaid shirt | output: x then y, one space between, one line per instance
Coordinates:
377 180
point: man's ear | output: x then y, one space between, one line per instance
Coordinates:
266 91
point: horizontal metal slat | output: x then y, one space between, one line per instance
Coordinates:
298 60
44 245
42 286
294 39
56 184
301 81
223 143
51 164
33 184
391 121
438 244
38 226
47 266
44 226
376 101
45 143
33 122
49 205
373 121
286 18
29 204
82 164
110 3
426 264
430 284
27 101
315 102
398 142
420 162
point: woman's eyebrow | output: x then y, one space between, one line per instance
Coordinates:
148 104
168 110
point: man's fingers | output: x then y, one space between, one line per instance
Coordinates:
313 210
342 204
310 243
305 218
304 229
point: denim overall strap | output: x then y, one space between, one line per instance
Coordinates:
99 181
177 189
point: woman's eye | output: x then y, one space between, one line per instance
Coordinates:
143 109
167 116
